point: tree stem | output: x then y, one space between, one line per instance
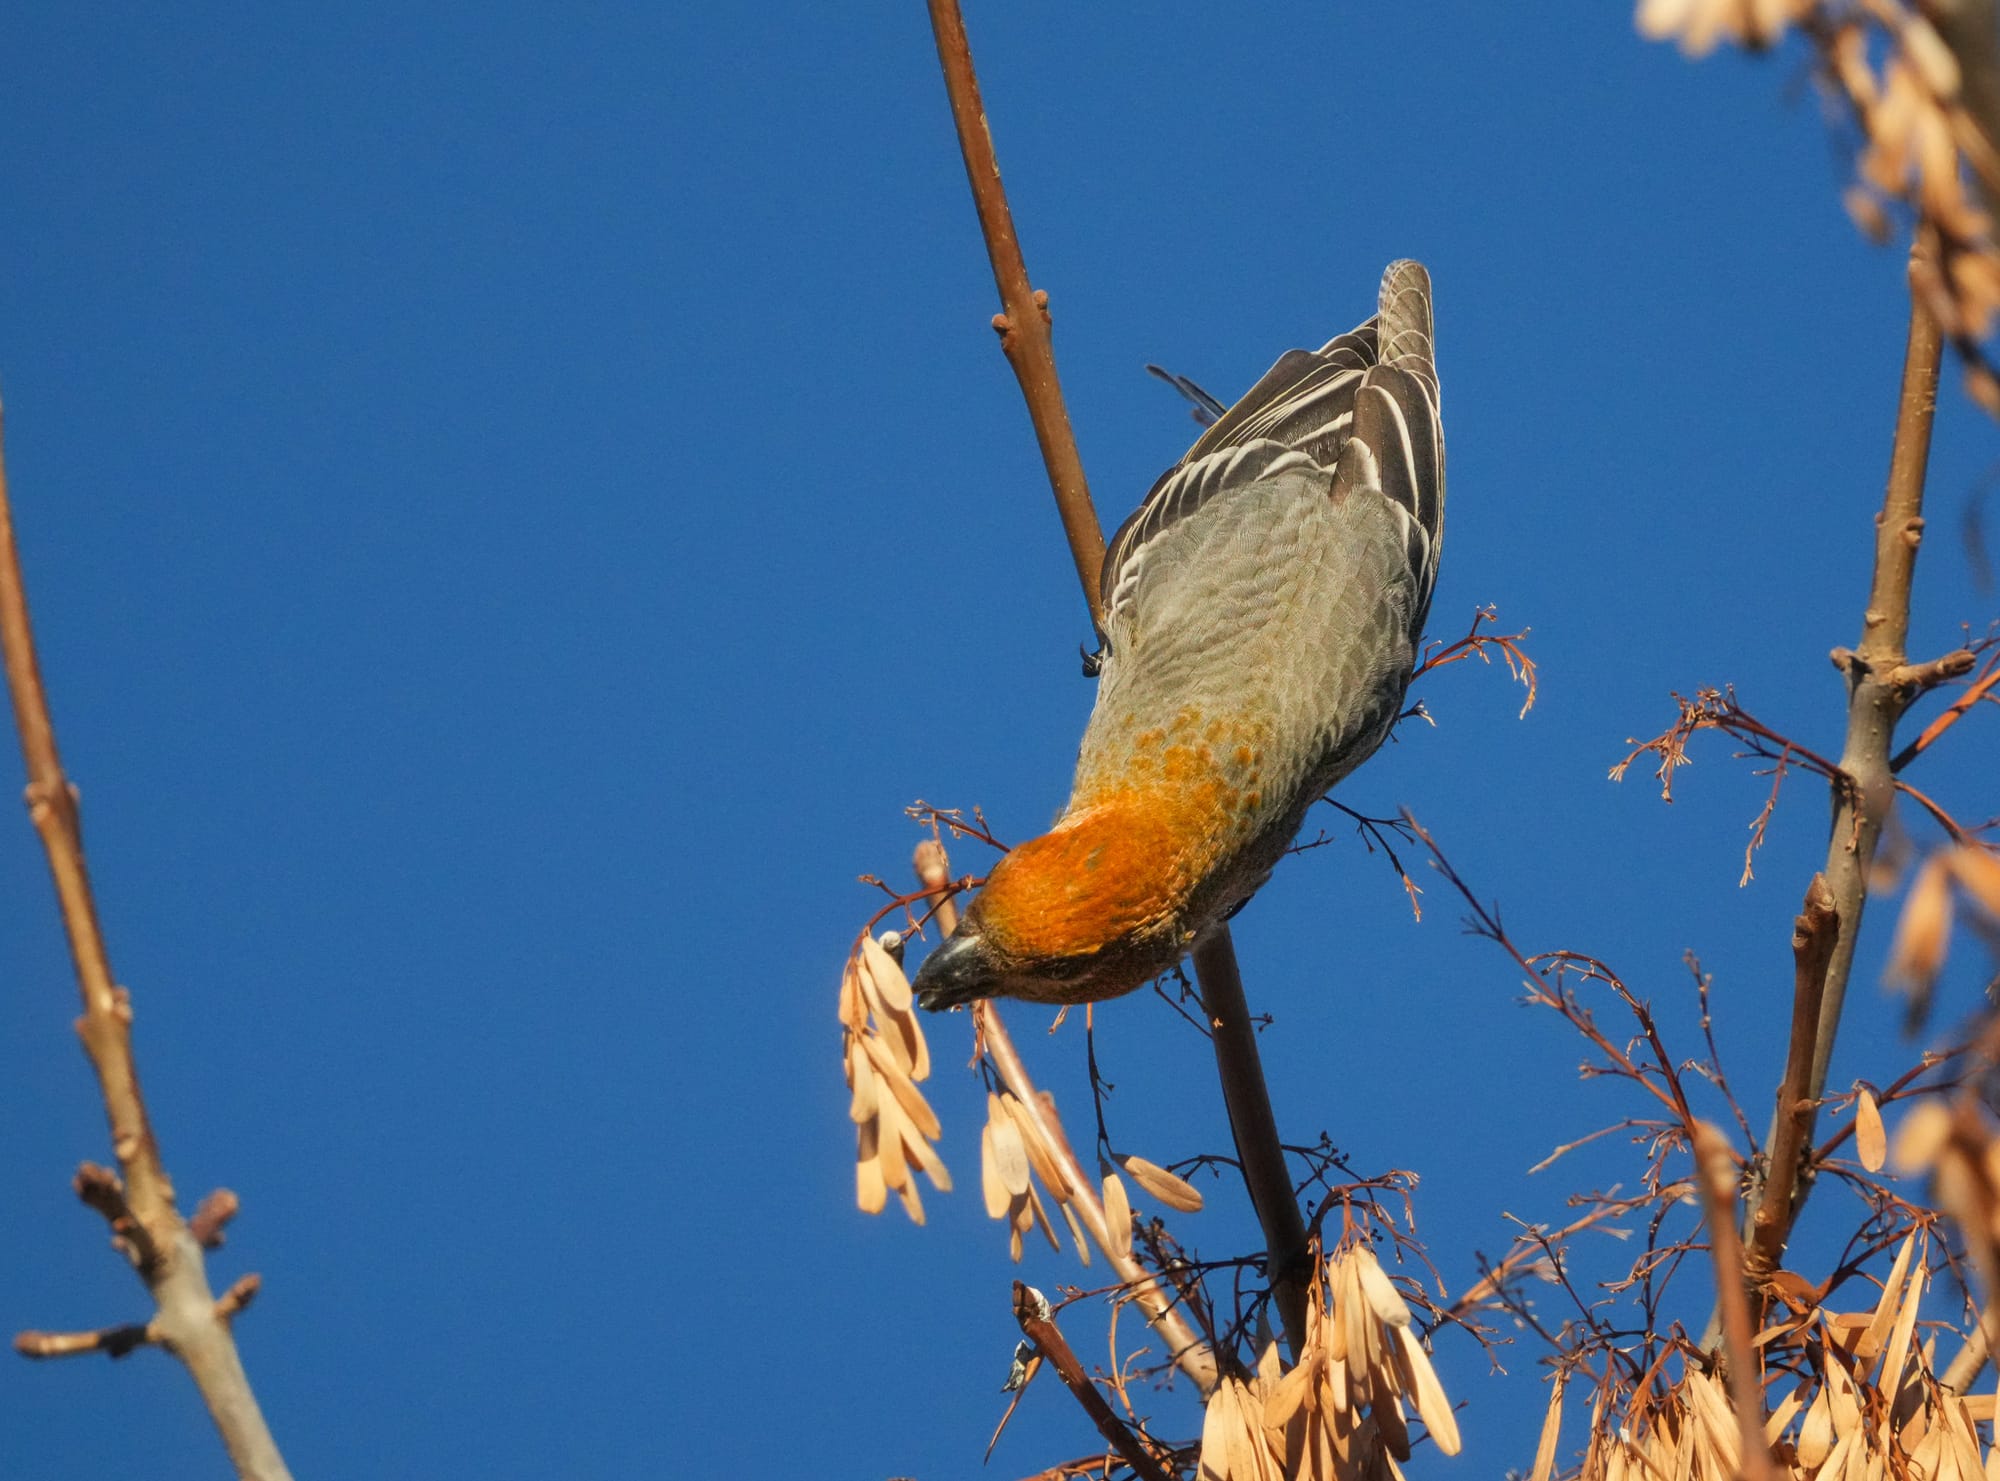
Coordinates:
187 1323
1879 690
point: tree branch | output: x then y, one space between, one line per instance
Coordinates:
1255 1129
1865 787
143 1215
1979 688
1024 320
1031 1311
1813 935
1024 328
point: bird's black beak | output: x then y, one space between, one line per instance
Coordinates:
957 973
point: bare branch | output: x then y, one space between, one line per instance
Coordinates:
1031 1310
1977 690
1024 320
1255 1128
1875 703
113 1342
1813 936
1475 642
143 1215
238 1296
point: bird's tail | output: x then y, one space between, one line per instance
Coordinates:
1403 331
1396 446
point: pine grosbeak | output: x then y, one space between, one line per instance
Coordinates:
1262 614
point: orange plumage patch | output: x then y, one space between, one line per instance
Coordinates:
1139 838
1116 870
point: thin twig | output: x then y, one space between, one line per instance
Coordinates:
168 1256
1024 329
113 1342
1031 1311
1978 689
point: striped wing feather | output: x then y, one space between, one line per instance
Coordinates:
1363 407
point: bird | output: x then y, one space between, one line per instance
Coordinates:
1264 609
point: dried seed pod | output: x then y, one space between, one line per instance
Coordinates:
1864 208
992 1185
871 1194
911 1099
1287 1396
1041 1217
1816 1432
889 1145
1009 1155
1117 1216
861 1079
1545 1448
1176 1193
1380 1292
1978 873
1898 1351
1037 1149
889 982
1924 929
1921 1136
1871 1142
1075 1231
853 1011
922 1154
1931 58
1428 1394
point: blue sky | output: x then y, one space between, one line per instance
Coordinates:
518 499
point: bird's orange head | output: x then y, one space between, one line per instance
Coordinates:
1089 910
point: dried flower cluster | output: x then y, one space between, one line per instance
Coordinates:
886 1055
1903 85
1699 25
1014 1153
1867 1403
1339 1412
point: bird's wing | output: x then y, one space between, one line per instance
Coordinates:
1207 410
1306 413
1297 415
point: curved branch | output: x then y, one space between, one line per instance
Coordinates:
167 1257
